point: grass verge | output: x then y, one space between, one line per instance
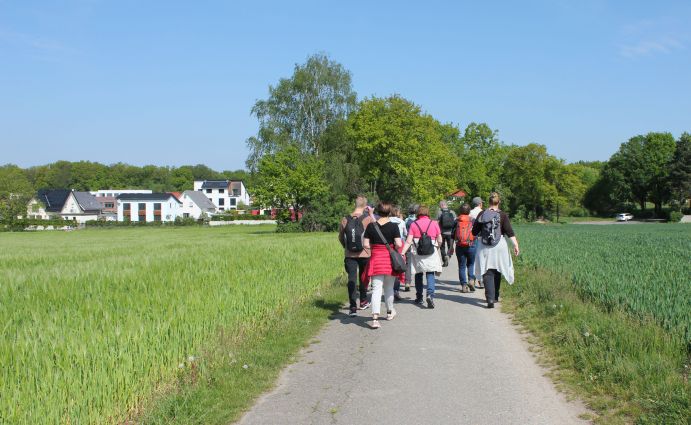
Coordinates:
627 370
221 386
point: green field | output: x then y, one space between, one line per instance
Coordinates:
608 307
643 268
95 323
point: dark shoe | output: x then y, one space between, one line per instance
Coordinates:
353 312
407 288
446 262
496 301
430 302
419 301
490 305
397 296
471 286
364 305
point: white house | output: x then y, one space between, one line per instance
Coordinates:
81 207
149 207
47 204
225 194
194 204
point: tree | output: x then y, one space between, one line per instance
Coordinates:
482 157
289 178
533 176
680 170
300 109
401 151
15 193
643 163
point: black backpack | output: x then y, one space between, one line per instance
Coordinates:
424 245
353 233
490 227
447 220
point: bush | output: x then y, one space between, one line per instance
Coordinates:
675 216
234 217
289 227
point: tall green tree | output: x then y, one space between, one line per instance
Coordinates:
680 170
300 109
482 158
401 152
533 176
289 178
643 162
15 193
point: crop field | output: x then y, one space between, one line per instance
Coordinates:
93 322
644 269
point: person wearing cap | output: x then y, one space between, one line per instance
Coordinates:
477 208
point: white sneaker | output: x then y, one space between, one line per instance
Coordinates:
392 315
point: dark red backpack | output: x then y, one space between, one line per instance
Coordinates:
464 232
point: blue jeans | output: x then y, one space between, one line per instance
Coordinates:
466 260
430 284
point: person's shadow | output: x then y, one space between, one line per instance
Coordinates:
341 314
457 297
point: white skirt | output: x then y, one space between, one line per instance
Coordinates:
426 263
494 257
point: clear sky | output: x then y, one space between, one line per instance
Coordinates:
172 82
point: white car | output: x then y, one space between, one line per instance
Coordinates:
624 217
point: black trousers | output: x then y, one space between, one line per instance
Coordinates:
492 281
354 267
446 244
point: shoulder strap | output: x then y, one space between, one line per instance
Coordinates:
429 224
376 227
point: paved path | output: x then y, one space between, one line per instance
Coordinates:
457 364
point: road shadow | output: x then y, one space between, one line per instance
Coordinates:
456 296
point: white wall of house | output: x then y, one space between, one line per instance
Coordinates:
170 209
35 209
225 199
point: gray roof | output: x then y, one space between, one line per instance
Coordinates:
200 199
87 201
146 197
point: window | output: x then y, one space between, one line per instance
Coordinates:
233 202
186 215
126 206
108 205
220 190
157 217
142 206
157 206
142 217
208 190
201 190
221 209
221 201
236 192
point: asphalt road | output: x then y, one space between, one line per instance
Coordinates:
459 363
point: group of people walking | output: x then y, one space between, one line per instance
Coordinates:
372 237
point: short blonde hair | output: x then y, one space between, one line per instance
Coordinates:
494 199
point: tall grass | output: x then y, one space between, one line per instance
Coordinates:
93 322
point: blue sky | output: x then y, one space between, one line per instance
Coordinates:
172 82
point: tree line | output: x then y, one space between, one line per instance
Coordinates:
317 147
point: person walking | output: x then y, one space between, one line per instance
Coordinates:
378 234
412 216
477 209
351 236
465 249
424 238
493 259
447 220
397 218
